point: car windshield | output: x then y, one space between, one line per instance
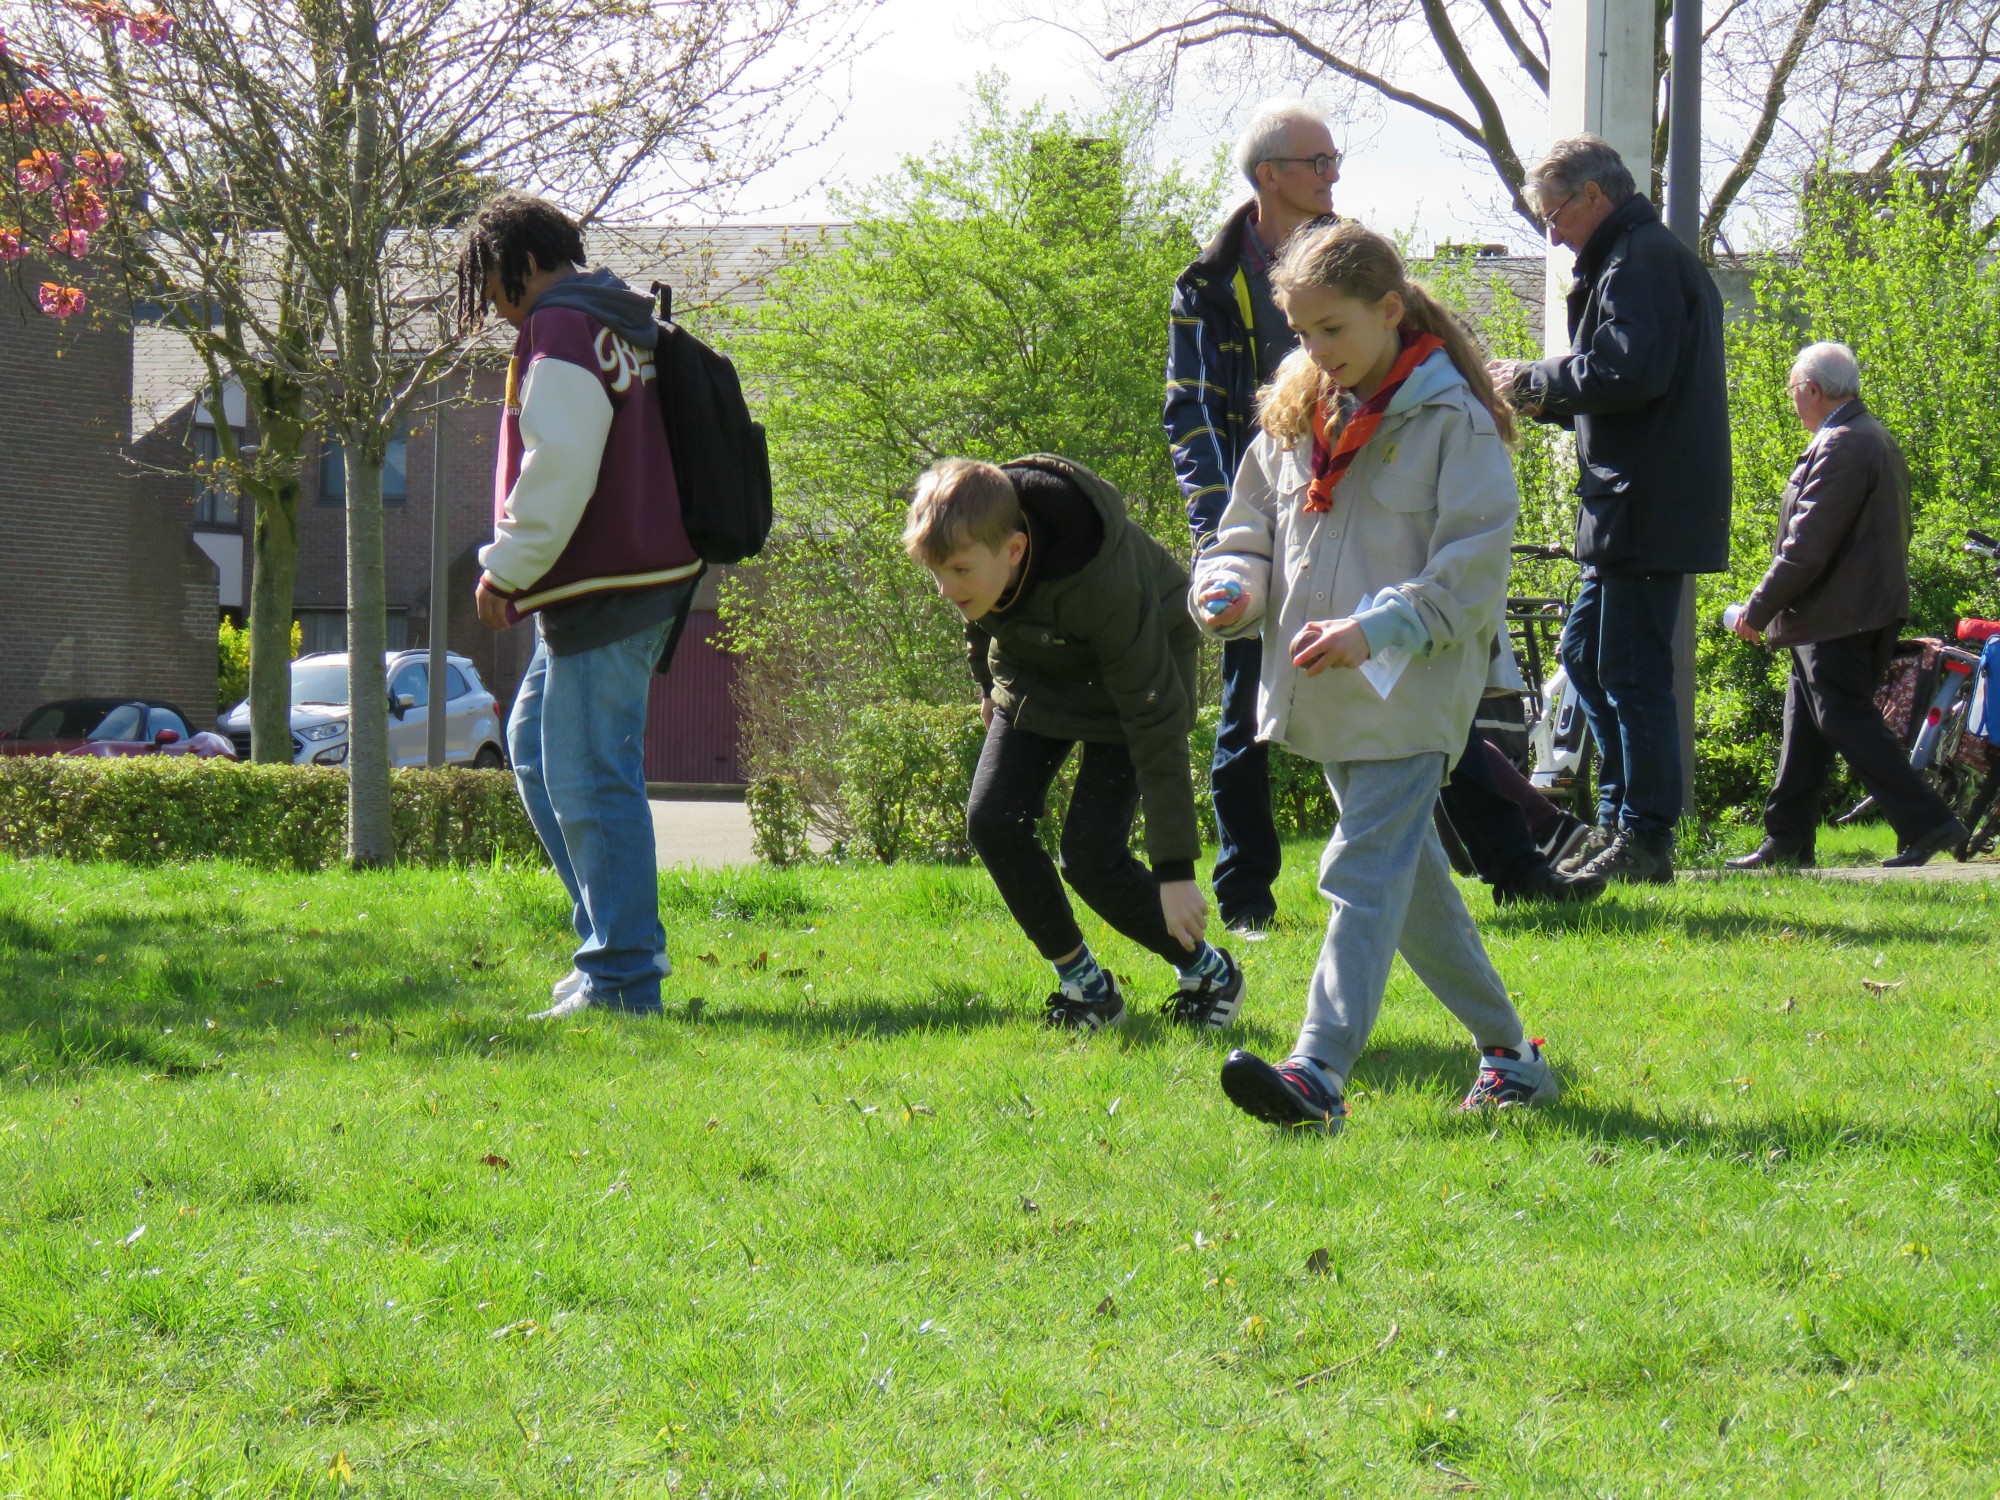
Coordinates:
319 682
122 723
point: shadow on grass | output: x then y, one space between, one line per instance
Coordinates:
1615 920
178 992
1444 1071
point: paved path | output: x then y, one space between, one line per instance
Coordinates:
707 834
1944 867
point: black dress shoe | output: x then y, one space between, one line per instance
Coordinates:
1772 856
1546 883
1947 835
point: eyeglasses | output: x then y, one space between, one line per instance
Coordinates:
1324 164
1549 219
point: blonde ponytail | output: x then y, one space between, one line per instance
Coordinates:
1285 406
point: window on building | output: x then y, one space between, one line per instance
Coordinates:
216 506
326 630
333 473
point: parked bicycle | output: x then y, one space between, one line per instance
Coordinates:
1559 748
1937 701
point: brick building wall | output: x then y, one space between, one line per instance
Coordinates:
102 589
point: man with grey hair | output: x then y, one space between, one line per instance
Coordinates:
1226 337
1837 593
1643 387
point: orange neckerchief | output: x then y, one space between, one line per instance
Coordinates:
1331 455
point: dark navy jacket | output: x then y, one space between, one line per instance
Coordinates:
1645 389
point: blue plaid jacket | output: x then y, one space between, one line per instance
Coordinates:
1211 373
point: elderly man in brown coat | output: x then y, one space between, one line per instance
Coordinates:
1837 593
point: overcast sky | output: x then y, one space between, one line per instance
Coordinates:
913 89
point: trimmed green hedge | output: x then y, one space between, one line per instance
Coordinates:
148 809
906 771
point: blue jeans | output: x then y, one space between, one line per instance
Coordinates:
577 736
1618 647
1239 785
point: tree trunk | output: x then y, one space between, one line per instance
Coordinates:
370 839
274 566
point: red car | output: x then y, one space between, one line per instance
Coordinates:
111 726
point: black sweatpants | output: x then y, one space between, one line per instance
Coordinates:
1489 822
1830 706
1009 795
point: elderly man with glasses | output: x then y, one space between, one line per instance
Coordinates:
1837 593
1644 389
1226 338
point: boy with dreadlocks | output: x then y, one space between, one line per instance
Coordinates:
587 538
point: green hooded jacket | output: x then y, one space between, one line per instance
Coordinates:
1107 656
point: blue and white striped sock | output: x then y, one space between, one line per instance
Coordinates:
1206 967
1082 978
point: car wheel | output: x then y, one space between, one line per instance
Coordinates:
489 759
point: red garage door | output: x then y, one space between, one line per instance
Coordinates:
691 715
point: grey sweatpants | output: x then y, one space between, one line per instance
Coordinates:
1385 873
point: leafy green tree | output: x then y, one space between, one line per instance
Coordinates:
1908 281
1006 295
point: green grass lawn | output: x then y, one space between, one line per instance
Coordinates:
295 1200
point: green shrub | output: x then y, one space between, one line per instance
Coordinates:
232 673
154 808
905 771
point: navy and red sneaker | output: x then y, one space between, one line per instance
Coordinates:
1291 1094
1509 1077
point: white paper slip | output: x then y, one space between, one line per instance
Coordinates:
1383 668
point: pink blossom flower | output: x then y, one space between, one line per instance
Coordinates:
75 243
39 171
86 108
47 106
79 206
99 12
104 168
150 26
60 301
11 248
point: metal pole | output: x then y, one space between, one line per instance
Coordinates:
1684 219
440 586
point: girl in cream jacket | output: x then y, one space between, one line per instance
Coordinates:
1366 537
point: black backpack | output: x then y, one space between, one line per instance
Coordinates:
721 464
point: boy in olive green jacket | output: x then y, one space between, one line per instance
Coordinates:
1077 632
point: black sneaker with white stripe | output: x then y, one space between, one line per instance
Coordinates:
1209 1004
1289 1094
1067 1010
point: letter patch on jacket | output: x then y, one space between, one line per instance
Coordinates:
621 362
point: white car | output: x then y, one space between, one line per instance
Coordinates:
473 734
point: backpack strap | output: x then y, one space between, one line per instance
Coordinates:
664 295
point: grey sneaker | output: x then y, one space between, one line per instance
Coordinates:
1634 859
1595 842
